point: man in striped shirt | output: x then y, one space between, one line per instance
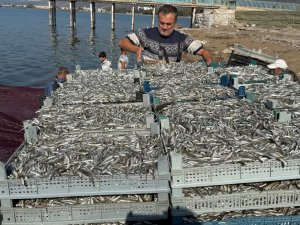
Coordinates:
163 44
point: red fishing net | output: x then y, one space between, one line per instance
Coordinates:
16 105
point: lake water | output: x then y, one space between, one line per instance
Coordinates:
31 50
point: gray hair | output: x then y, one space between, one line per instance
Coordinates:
166 9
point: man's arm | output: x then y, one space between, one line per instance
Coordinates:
206 55
127 45
196 47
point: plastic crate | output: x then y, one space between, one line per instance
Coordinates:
231 174
232 202
109 212
76 186
266 220
75 125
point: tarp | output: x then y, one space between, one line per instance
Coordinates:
16 105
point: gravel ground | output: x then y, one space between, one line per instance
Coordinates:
278 41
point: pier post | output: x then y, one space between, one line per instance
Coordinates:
92 37
73 14
113 16
132 19
153 16
52 13
193 17
93 12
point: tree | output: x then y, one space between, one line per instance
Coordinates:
29 6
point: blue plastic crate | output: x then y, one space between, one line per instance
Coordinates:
264 220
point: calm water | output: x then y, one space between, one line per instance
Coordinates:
31 51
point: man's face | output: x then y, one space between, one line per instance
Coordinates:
166 24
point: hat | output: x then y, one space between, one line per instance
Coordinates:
279 63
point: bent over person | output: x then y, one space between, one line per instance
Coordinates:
163 44
280 68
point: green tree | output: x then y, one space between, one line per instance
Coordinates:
30 6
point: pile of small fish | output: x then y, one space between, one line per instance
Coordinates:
287 211
163 72
71 118
241 188
182 82
90 87
88 155
234 131
266 86
89 200
208 126
286 94
248 73
93 129
228 130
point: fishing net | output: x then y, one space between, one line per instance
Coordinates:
16 105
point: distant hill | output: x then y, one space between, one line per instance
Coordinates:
282 1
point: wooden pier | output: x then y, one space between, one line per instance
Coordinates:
193 4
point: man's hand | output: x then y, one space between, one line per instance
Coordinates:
139 53
206 55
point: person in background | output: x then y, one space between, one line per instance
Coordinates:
60 78
163 44
279 68
123 60
105 63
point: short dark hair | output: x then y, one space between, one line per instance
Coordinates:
166 9
102 54
63 69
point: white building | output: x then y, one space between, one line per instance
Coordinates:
145 8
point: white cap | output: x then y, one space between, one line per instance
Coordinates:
279 63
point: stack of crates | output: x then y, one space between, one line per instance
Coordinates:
230 174
12 190
227 174
37 188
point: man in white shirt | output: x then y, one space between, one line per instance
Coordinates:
123 60
105 63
